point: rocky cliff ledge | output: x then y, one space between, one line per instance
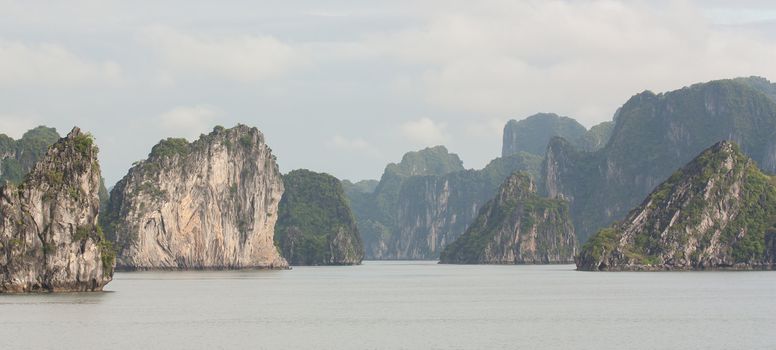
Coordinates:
516 227
315 225
49 236
209 204
718 212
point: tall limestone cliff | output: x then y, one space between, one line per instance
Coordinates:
49 236
416 210
719 211
531 135
377 212
209 204
516 227
655 134
315 225
596 137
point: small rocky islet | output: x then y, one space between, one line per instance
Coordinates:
50 239
220 202
208 204
315 224
718 212
517 227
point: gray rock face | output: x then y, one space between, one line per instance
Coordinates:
432 212
532 134
49 236
210 204
654 135
719 211
516 227
414 215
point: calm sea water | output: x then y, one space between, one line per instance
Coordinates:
402 305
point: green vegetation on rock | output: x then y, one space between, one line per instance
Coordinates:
429 161
170 147
719 211
208 204
17 157
417 209
516 227
653 135
531 134
54 242
315 225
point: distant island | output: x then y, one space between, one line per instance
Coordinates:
703 157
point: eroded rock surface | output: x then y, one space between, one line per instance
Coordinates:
49 234
718 212
516 227
209 204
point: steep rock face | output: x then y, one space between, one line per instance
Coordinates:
49 236
532 134
433 211
653 136
315 225
597 137
377 212
17 157
718 211
415 216
516 227
429 161
209 204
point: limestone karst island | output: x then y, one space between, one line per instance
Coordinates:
348 175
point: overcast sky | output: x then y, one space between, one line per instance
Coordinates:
348 86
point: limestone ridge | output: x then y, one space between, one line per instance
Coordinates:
718 212
50 239
209 204
654 135
516 227
417 209
315 224
532 134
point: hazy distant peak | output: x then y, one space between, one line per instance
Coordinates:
435 160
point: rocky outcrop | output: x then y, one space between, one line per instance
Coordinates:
433 211
209 204
417 209
718 212
596 137
315 225
50 239
655 134
516 227
377 212
531 134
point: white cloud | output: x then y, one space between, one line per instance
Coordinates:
354 145
244 57
189 121
425 132
491 128
52 65
583 59
15 125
